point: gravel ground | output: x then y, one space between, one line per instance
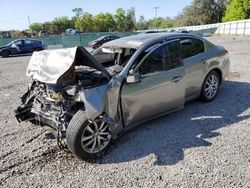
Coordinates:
203 145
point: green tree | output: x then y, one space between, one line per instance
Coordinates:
130 20
85 23
36 27
60 24
46 26
104 22
202 12
160 22
237 10
78 12
120 19
141 24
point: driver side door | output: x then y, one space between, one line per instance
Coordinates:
161 87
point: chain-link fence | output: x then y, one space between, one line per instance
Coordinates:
71 40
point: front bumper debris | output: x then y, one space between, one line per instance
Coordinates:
25 113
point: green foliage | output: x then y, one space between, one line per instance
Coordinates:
46 26
130 19
120 18
60 24
160 22
121 21
141 24
202 12
104 22
84 23
36 27
78 12
237 10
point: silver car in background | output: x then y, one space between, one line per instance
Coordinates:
90 99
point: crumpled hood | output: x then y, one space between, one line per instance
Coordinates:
49 65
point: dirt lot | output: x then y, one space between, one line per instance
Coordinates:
204 145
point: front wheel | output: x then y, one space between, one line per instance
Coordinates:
5 53
86 138
210 86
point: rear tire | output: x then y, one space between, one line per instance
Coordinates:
210 86
5 53
87 139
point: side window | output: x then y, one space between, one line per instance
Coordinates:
193 48
173 56
153 62
28 42
106 38
18 43
163 58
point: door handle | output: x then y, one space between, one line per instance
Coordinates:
176 79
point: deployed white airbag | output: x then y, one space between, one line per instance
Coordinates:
49 65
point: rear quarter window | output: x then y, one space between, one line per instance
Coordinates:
196 47
209 45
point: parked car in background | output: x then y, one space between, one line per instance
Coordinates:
72 32
150 31
43 33
183 31
21 46
100 41
148 75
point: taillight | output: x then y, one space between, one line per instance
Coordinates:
226 52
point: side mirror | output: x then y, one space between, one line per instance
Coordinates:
133 78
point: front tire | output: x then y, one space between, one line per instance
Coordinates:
87 139
210 86
5 53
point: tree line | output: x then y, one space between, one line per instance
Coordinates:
199 12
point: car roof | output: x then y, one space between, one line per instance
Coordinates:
135 41
27 39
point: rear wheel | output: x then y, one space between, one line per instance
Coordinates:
210 86
87 139
5 53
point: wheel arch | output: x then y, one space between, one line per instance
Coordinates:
5 50
219 72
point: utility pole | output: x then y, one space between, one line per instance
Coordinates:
29 20
156 9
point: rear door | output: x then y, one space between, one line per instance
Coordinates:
161 88
194 61
28 46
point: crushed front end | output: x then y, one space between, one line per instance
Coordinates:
57 89
47 104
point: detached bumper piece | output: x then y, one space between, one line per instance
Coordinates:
26 113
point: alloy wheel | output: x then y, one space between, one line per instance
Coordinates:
211 86
96 136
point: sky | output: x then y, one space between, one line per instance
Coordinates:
14 13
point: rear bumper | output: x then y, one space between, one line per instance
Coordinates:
26 113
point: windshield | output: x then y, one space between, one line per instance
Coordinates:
100 38
113 56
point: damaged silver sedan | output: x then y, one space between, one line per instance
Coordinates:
91 98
